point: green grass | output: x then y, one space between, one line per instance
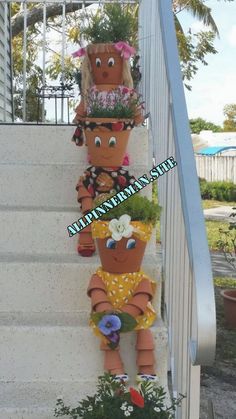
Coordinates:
213 233
211 203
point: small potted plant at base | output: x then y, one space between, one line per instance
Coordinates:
227 244
113 399
120 292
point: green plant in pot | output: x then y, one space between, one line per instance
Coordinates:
106 61
119 288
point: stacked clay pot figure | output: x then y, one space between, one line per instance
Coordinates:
120 292
106 76
120 286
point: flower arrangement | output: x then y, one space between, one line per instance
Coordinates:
111 325
114 399
121 102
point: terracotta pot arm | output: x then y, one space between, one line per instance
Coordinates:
95 283
144 287
136 305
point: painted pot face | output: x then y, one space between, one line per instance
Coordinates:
107 149
107 67
121 256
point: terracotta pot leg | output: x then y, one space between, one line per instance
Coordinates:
86 246
112 360
145 352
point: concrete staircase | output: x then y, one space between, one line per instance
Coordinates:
46 347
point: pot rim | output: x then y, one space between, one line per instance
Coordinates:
105 120
229 297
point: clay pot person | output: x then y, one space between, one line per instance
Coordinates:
120 285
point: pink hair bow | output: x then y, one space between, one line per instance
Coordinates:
80 53
125 49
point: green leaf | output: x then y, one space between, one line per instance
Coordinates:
96 317
128 323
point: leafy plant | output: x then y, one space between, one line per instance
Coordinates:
138 207
118 103
227 242
114 23
114 399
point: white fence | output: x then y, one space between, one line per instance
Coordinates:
189 291
214 168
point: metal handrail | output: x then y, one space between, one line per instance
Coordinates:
202 347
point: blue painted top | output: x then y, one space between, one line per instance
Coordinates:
211 151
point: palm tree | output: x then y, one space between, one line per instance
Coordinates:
193 47
198 9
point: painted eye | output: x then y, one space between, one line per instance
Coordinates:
97 141
112 142
98 62
131 244
111 244
111 62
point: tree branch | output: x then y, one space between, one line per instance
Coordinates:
35 15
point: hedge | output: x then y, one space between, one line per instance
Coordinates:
220 190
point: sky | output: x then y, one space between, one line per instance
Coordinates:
214 85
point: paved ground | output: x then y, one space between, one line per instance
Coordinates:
218 382
220 266
219 213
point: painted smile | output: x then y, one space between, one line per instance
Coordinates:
120 260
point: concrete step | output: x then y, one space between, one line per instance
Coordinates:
57 353
49 185
51 144
56 285
40 232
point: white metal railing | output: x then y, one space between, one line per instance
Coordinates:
189 292
6 111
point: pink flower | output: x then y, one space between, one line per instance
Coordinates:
80 53
125 49
125 90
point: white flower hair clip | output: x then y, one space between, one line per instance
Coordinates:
121 228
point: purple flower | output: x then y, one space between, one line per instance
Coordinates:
109 323
114 337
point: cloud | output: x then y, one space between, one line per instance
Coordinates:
232 36
209 97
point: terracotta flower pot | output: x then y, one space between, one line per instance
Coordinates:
121 259
107 140
230 307
106 64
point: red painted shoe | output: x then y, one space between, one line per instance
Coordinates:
86 250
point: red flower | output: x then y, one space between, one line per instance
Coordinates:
117 126
121 180
91 190
136 397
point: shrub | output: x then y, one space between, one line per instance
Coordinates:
220 190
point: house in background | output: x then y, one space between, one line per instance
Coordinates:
6 100
229 150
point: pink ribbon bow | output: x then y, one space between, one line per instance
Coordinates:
125 49
80 53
